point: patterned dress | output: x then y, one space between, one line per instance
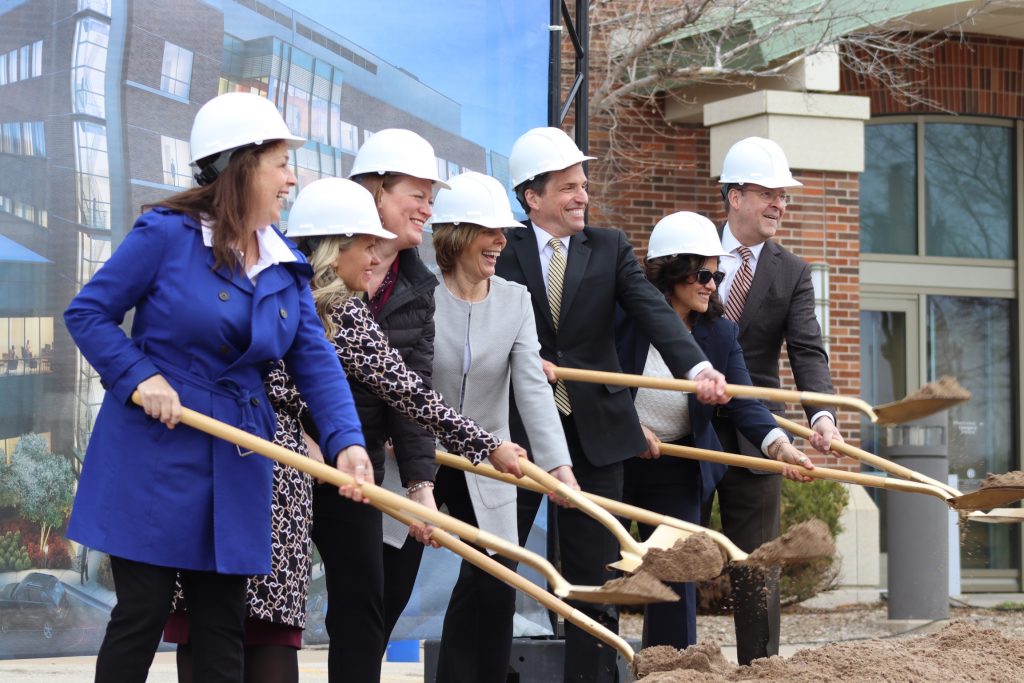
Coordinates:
364 352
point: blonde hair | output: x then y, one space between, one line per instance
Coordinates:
329 290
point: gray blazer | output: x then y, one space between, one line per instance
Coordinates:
503 351
780 308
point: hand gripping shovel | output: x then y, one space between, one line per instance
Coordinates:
669 530
999 493
930 399
979 500
621 593
503 573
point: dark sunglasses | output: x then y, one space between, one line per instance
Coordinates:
705 276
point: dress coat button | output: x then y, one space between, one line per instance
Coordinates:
254 401
224 296
224 348
284 313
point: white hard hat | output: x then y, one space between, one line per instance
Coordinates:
396 150
684 232
234 120
335 206
542 150
477 199
757 160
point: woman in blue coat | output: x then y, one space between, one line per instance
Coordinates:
218 297
682 262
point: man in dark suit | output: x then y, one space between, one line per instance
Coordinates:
592 269
768 292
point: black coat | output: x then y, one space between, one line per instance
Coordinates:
601 271
408 321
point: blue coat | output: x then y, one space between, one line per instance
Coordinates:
718 339
180 498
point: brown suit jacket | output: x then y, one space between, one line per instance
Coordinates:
780 307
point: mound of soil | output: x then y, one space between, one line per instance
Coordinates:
801 542
959 652
695 558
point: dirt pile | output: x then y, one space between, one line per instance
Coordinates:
1015 478
637 588
943 388
802 542
960 652
695 558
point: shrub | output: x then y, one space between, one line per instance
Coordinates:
13 553
821 499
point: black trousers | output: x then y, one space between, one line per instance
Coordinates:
476 639
750 507
144 591
671 486
585 548
349 538
400 568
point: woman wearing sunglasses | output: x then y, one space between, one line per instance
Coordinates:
682 262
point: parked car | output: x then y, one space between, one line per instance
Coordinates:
38 601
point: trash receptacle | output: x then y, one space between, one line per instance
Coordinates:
917 526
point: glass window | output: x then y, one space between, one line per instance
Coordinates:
101 6
349 140
27 137
888 190
320 112
12 66
39 138
93 174
25 62
176 72
37 59
175 156
971 339
969 196
89 63
307 163
3 69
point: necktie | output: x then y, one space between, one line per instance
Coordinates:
556 276
740 286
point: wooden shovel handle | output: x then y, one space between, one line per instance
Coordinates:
642 515
377 495
588 507
817 472
503 573
785 395
868 457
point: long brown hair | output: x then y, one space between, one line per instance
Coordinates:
665 272
225 202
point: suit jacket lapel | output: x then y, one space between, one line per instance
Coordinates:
767 267
579 257
525 247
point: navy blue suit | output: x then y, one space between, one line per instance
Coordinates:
679 487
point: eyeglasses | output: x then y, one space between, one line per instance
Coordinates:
771 195
705 276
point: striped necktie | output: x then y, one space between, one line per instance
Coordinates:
740 286
556 276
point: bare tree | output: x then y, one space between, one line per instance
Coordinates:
645 50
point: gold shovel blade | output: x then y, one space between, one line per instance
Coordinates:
603 596
998 516
988 498
910 409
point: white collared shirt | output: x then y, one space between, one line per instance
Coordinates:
273 249
544 249
731 266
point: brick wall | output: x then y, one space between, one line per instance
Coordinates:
979 75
